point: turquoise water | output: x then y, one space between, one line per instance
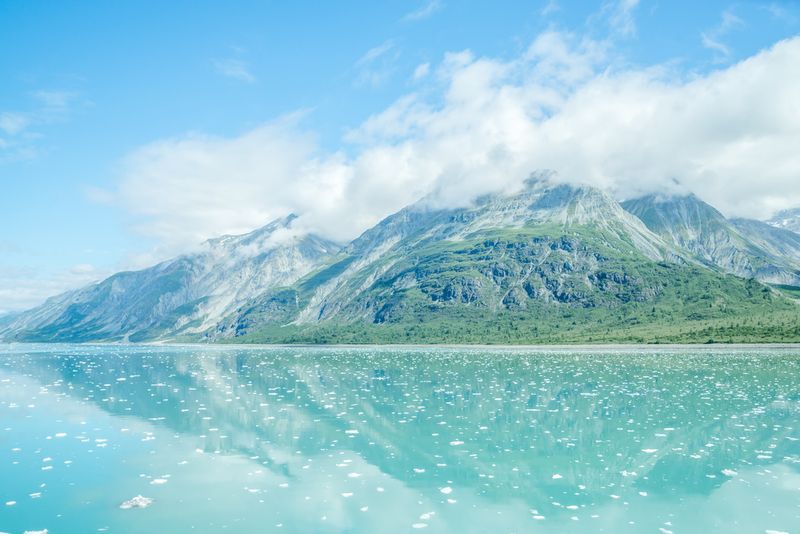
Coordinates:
392 440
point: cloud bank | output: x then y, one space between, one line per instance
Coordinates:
476 125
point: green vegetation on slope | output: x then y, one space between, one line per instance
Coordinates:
532 285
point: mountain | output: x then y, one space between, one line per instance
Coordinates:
746 248
552 262
186 295
549 263
787 219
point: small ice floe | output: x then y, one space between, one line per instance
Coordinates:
557 476
643 493
447 490
158 481
353 475
137 502
456 443
419 525
770 531
347 494
36 531
352 431
729 472
61 435
11 503
649 451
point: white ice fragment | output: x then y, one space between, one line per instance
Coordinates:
137 502
649 451
456 443
557 476
158 481
419 525
447 490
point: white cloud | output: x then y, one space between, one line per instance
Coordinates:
421 71
425 11
234 68
483 125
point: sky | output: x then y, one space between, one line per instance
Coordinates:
132 131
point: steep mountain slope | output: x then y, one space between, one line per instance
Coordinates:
553 263
787 220
188 294
528 264
749 249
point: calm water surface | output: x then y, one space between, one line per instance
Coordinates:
392 440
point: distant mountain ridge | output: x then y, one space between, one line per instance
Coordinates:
551 262
786 219
746 248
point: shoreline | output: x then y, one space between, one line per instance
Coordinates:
654 347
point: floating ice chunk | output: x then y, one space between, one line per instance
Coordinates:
456 443
11 503
643 493
353 475
557 476
353 431
447 490
770 531
347 494
137 502
729 472
36 531
649 451
158 481
61 435
419 525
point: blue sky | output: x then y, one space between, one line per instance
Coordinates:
100 101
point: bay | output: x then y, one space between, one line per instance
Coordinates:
397 439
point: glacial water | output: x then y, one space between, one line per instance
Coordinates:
234 439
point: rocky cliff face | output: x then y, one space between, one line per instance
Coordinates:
746 248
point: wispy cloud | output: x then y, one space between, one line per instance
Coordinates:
377 64
713 38
421 71
549 8
621 16
13 123
424 11
235 68
17 128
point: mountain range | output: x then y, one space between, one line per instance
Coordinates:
550 263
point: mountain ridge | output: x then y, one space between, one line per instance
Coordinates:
534 261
